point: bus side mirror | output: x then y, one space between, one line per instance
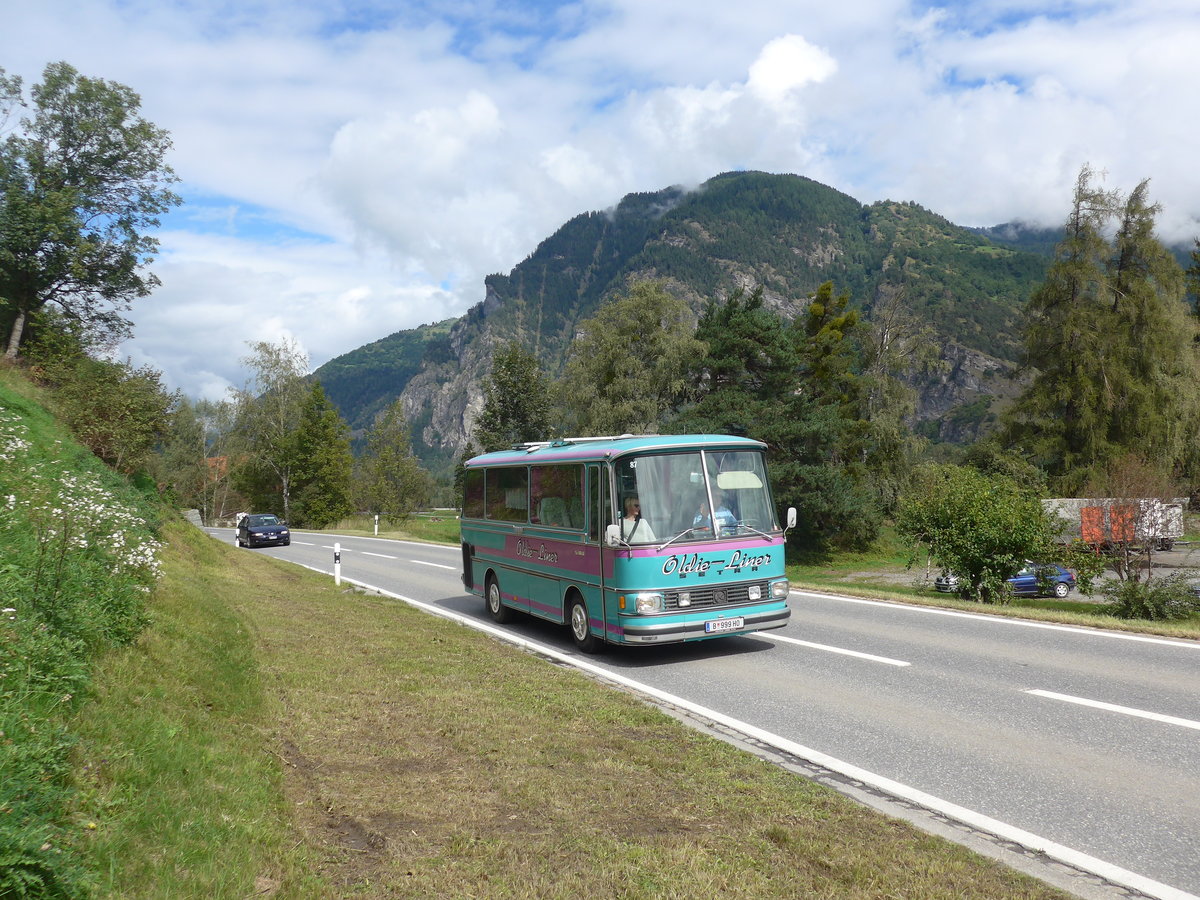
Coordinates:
791 517
612 536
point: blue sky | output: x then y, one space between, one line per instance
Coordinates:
356 168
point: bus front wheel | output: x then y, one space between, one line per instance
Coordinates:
581 629
496 608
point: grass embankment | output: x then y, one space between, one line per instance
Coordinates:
271 733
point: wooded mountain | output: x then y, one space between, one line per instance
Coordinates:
785 232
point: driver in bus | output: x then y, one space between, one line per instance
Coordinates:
634 528
725 519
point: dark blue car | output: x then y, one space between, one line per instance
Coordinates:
262 530
1035 579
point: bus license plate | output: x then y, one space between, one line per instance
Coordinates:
718 625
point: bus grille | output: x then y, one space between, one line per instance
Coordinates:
717 595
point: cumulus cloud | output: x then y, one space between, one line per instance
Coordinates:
785 66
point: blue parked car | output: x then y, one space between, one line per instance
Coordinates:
1034 580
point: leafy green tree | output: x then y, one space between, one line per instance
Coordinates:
981 527
81 182
390 482
269 411
629 371
119 411
516 401
324 463
1109 345
194 458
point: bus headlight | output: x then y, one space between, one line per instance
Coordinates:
648 602
780 589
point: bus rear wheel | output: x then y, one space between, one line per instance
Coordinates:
580 625
496 608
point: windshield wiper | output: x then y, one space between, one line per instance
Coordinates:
687 530
741 525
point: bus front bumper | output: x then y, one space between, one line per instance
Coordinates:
646 631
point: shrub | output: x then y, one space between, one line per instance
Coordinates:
1171 597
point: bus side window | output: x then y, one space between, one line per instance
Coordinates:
473 494
508 494
553 490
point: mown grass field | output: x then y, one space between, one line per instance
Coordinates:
272 735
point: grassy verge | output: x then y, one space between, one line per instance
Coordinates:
883 576
273 735
181 790
437 528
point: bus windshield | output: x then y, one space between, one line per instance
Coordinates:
693 496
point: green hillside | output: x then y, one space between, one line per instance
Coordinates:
785 232
370 378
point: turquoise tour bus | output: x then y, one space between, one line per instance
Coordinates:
629 540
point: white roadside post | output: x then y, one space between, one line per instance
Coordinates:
376 524
337 564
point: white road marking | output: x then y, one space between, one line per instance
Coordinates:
435 565
380 555
879 659
1112 707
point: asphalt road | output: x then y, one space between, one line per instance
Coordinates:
1086 738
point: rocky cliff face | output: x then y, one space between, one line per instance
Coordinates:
447 398
962 399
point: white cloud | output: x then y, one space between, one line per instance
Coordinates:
786 65
352 178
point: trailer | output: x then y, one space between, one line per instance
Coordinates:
1108 522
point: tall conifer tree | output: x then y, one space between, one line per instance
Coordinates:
1109 347
516 401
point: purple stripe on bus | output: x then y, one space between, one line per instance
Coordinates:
652 551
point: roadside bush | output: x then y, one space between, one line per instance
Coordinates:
1159 599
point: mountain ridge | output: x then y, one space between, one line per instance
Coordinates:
737 230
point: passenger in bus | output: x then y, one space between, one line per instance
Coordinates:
634 528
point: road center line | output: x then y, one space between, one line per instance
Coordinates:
380 555
1112 707
844 652
422 562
